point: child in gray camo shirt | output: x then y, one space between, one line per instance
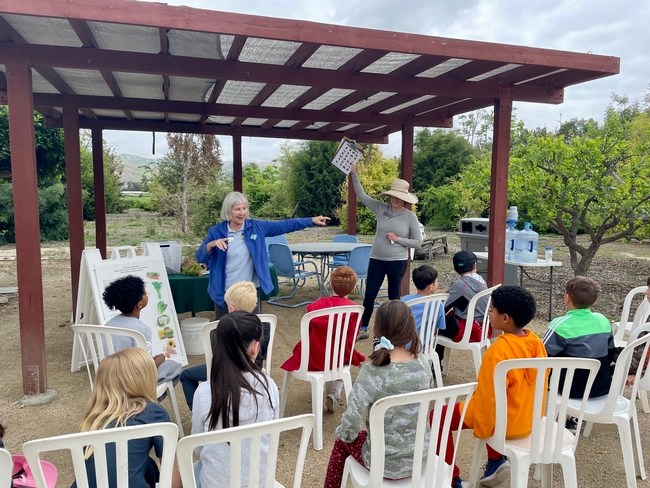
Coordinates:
394 370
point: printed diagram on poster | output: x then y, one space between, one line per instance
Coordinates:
347 154
159 314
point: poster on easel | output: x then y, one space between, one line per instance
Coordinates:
347 154
159 315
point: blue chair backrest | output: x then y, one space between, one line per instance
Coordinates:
345 238
282 259
359 260
281 239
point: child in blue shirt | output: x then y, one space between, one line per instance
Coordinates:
425 279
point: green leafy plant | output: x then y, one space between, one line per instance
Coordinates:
158 286
162 306
191 268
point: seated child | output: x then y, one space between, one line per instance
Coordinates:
129 296
461 293
343 281
425 279
582 334
512 308
638 352
240 296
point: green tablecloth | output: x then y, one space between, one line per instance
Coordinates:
190 293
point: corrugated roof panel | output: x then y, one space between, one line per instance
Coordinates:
389 63
286 124
444 67
40 84
85 81
267 51
188 89
284 95
109 113
331 57
494 72
376 128
347 127
41 30
404 105
239 92
217 119
317 125
148 115
328 98
371 100
540 76
138 85
226 43
184 117
195 44
123 37
254 122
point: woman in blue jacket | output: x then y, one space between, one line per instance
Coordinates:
235 250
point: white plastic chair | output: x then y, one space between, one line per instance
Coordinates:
437 472
6 466
549 442
614 408
94 338
76 443
625 326
429 330
475 347
250 436
207 343
644 381
338 324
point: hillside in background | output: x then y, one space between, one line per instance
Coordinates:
134 167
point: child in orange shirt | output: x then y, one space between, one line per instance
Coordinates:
512 308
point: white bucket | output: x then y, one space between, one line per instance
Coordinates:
191 332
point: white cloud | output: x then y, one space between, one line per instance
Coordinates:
596 26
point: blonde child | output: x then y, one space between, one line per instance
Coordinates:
125 394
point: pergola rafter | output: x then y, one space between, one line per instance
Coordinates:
128 65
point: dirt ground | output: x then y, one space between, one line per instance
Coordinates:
618 268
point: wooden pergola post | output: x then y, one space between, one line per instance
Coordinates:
407 174
75 201
499 189
352 208
237 166
100 196
28 232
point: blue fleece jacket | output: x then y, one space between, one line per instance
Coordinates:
254 233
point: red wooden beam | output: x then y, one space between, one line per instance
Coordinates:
99 59
185 18
407 174
28 235
225 130
499 190
222 109
100 197
237 166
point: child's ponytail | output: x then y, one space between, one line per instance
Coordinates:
394 326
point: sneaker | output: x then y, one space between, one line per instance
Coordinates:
331 402
496 472
363 334
571 424
459 483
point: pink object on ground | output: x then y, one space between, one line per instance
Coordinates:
26 480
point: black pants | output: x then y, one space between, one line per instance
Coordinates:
377 271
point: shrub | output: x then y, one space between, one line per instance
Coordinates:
441 207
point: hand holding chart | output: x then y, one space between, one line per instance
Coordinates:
347 154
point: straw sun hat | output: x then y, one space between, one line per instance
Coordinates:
400 189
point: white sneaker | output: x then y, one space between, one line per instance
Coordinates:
331 402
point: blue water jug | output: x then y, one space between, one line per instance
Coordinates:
526 244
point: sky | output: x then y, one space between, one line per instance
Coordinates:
604 27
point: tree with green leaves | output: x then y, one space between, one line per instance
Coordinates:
192 162
267 191
437 156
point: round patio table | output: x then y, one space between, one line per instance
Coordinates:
323 250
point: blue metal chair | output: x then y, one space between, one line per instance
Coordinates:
281 239
286 267
342 259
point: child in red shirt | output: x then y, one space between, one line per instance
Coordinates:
343 281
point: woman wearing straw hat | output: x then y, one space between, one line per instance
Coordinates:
397 231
